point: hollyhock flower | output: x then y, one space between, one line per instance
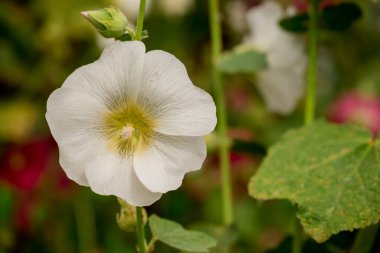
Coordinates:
357 108
131 123
282 83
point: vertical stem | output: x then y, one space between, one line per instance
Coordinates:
297 237
216 48
309 114
364 239
312 65
140 20
140 230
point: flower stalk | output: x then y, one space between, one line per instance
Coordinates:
312 64
216 48
140 20
365 239
309 113
140 230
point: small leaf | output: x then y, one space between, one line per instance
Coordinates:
242 61
298 23
174 235
331 172
340 17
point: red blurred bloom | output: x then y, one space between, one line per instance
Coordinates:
303 5
23 165
357 108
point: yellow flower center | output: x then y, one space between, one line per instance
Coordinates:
128 128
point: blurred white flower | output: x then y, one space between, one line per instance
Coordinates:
176 7
131 123
282 83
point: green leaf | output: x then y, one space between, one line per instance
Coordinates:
174 235
242 61
341 16
331 172
297 23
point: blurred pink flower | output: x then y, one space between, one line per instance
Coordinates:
357 108
22 165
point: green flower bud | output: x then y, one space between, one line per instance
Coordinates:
126 219
110 22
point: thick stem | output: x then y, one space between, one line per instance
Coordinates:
140 20
216 48
364 239
309 115
312 65
140 230
297 237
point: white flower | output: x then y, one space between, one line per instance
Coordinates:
131 123
282 84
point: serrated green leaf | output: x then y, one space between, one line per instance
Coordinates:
242 61
174 235
331 172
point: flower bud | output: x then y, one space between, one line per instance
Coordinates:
110 22
126 219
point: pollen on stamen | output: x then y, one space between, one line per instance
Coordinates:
127 131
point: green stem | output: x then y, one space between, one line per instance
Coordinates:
312 65
297 237
216 48
140 20
364 239
309 115
140 230
151 244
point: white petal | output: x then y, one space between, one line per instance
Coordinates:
281 89
115 77
110 174
168 93
73 118
163 166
